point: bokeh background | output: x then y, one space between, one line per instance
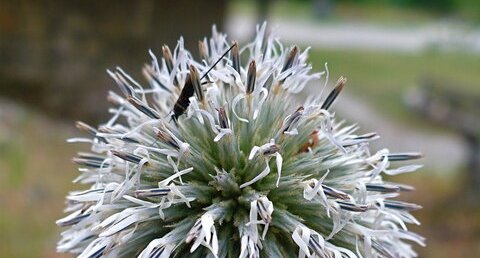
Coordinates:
413 70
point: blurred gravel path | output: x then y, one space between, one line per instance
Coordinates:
441 35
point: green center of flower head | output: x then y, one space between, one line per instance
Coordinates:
213 158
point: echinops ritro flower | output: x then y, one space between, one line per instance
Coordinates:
214 159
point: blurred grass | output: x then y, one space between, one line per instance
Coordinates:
367 12
381 14
36 171
382 78
13 155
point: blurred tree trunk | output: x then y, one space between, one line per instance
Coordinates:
443 103
473 166
53 54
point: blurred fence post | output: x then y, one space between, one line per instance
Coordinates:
53 54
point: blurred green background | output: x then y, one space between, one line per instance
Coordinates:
413 70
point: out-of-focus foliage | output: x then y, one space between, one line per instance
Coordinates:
468 9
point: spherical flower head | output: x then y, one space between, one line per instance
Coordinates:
213 158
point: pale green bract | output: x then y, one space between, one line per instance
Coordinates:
225 164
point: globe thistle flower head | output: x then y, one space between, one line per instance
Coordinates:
213 158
